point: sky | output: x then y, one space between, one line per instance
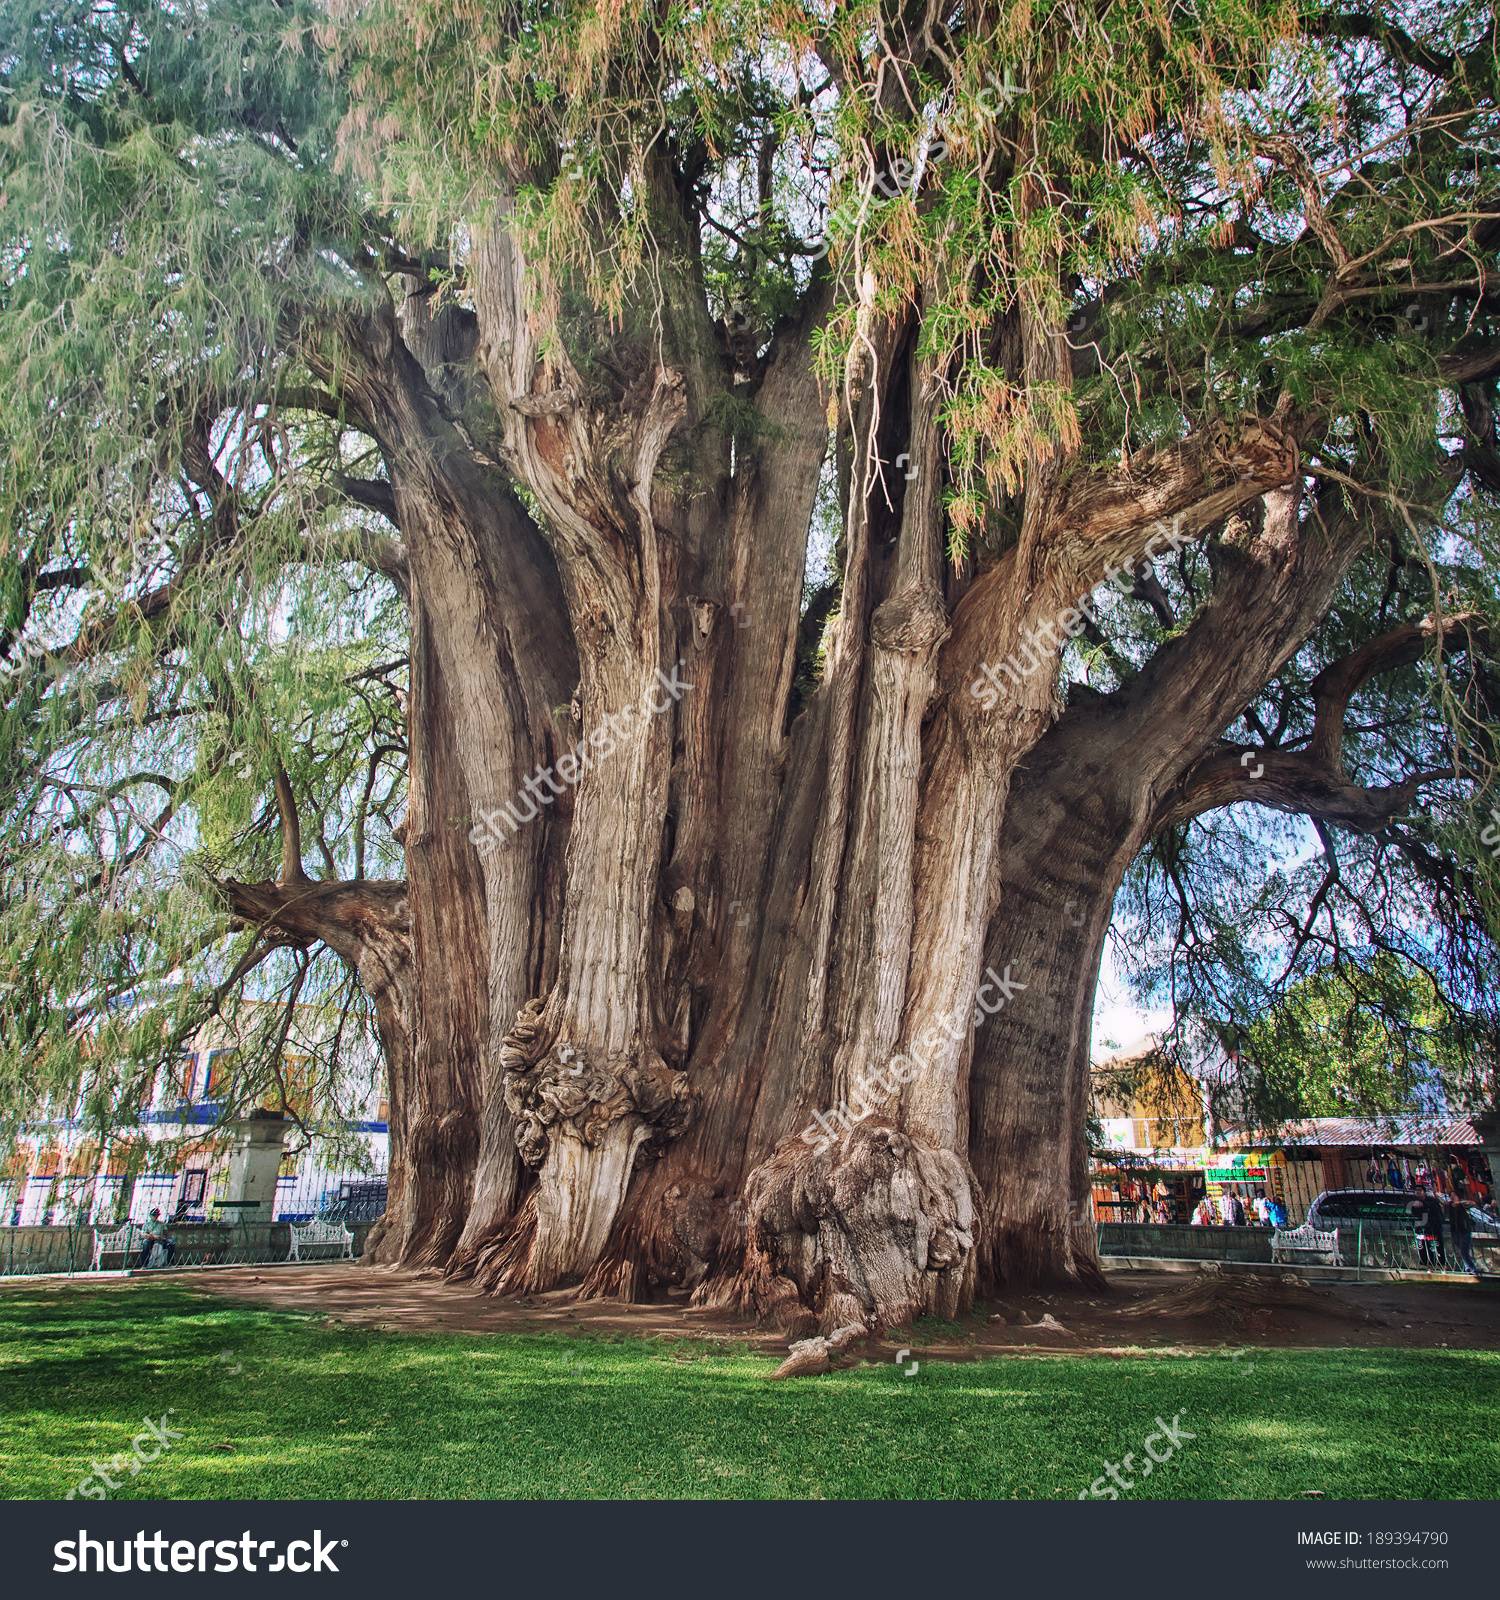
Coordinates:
1118 1017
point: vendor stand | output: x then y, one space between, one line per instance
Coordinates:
1248 1174
1143 1190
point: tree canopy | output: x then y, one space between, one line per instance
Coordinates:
389 390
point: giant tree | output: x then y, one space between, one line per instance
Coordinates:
750 909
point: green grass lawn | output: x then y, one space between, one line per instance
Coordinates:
323 1412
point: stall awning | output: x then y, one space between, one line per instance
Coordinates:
1388 1133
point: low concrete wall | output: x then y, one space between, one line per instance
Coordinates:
27 1251
1184 1242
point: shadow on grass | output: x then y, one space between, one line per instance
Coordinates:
278 1405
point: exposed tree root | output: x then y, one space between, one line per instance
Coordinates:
500 1266
810 1356
876 1230
1229 1296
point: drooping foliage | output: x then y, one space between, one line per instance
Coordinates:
1226 209
184 625
1264 932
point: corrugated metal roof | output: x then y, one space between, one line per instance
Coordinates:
1383 1131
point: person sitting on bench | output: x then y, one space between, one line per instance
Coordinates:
156 1234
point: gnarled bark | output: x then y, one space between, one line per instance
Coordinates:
797 1019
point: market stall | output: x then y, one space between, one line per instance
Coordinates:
1248 1174
1144 1192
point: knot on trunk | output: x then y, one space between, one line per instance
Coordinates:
872 1232
560 402
1249 447
579 1092
912 622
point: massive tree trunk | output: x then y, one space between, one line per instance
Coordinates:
790 1011
756 937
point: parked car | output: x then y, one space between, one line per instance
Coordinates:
1378 1208
1486 1242
1390 1222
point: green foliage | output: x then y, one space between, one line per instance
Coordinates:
1162 158
177 604
1232 916
1358 1041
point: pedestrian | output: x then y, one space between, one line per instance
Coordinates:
1461 1231
1278 1214
1203 1216
156 1234
1430 1222
1235 1212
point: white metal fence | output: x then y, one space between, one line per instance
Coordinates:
194 1195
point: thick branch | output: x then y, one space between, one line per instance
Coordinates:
1293 781
345 916
1335 685
292 875
1193 486
374 494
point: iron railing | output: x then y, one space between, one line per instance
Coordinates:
204 1227
1360 1245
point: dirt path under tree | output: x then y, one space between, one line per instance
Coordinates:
1141 1312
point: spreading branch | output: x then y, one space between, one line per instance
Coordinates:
1312 782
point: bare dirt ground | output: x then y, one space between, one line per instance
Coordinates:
1141 1312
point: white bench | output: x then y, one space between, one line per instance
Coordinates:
1296 1244
307 1235
124 1241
